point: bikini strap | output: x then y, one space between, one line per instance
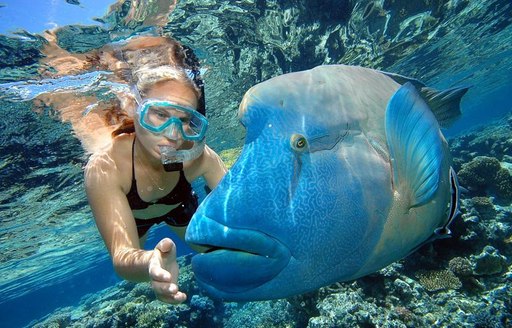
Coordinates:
133 161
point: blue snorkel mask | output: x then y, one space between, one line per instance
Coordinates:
168 118
163 117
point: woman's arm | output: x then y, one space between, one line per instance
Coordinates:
116 225
114 219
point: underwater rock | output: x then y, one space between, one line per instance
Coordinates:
480 231
503 184
351 306
484 207
263 314
485 174
460 266
403 289
347 309
186 279
201 303
480 173
488 318
489 262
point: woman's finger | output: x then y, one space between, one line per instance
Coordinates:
164 288
168 292
174 299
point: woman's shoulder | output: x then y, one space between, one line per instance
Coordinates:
210 155
113 161
121 148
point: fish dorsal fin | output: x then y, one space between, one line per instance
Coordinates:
445 104
415 145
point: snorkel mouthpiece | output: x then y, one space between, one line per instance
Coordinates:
172 158
172 167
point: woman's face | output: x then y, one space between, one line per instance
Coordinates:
172 91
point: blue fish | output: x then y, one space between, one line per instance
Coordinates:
344 170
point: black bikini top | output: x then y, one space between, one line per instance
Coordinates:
180 193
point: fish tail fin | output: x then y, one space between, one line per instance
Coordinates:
416 145
445 104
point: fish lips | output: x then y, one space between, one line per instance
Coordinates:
238 260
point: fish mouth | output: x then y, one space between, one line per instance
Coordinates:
237 260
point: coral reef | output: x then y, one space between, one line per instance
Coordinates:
438 280
492 140
460 266
484 207
480 172
485 174
134 305
489 262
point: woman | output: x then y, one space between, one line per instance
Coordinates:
143 177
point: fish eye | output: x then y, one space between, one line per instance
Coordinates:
298 142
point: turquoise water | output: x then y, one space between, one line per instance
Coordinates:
51 254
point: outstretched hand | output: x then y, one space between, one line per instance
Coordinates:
163 273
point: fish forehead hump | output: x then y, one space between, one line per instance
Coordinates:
335 95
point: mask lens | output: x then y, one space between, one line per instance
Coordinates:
194 127
158 116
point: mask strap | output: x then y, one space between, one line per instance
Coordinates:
136 93
195 74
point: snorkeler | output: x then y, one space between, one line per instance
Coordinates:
143 178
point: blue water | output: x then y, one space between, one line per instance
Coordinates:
20 311
43 162
483 109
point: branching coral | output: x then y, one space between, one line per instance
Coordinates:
436 280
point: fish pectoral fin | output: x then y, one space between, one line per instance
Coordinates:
415 145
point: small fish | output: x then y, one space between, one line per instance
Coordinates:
344 171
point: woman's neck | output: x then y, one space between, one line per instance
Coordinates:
145 157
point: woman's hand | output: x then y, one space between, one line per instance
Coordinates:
163 273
